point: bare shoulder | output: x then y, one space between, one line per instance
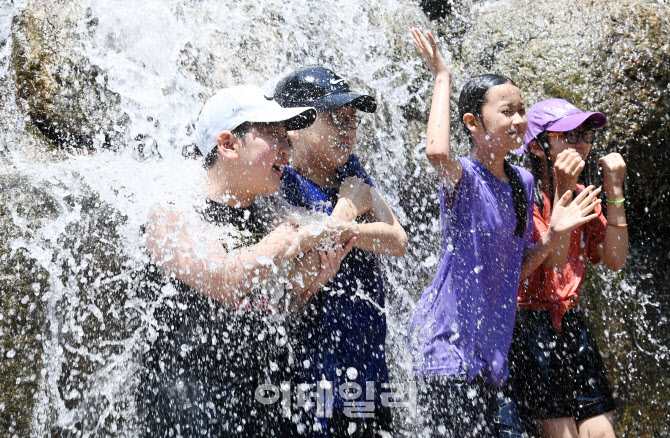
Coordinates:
164 214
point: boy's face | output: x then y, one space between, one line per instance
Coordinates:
330 140
264 151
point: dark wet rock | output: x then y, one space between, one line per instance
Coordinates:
62 335
436 9
23 284
66 96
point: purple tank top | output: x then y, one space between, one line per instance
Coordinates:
464 321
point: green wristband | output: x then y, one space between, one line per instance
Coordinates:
616 202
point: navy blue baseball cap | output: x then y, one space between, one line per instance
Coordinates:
322 89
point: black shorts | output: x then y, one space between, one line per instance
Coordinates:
452 407
194 406
558 374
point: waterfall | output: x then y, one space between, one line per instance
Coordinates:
80 172
150 66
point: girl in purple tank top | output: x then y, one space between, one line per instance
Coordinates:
462 328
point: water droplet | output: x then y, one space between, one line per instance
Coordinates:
430 261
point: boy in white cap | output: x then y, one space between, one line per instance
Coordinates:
221 274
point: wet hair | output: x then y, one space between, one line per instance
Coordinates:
239 132
520 199
536 169
210 159
471 100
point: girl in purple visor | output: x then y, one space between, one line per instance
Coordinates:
556 367
462 328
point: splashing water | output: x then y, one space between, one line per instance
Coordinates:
163 60
85 322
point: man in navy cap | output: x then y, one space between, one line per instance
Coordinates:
343 337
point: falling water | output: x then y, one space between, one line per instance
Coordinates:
74 322
160 62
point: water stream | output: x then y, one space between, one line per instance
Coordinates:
163 58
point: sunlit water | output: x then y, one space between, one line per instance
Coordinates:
164 58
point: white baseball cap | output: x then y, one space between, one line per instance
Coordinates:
231 107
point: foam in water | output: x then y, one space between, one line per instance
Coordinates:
164 59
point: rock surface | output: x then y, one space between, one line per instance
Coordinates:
65 95
22 318
64 285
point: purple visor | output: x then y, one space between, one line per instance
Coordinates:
557 115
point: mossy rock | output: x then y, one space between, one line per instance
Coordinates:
65 96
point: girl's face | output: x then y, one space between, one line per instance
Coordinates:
503 117
559 143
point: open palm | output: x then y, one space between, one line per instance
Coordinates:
430 52
566 217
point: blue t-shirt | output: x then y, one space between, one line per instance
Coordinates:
343 333
465 319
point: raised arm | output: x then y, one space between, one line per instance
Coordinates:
383 234
439 122
614 249
566 217
200 261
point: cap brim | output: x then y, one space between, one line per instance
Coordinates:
597 120
361 102
293 119
301 121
